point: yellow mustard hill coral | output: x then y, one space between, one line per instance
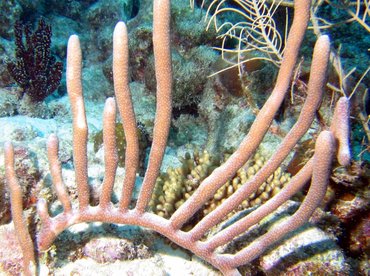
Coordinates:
177 185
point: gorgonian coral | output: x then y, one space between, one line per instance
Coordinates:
35 69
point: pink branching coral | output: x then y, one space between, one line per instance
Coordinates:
317 168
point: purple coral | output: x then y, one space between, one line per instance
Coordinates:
35 69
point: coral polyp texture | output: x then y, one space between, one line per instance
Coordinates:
178 184
209 191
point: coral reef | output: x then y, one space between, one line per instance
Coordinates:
178 184
210 112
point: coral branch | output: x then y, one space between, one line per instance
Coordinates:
56 172
74 87
126 110
20 225
163 74
340 128
110 152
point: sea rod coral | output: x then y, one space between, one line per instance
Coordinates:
317 168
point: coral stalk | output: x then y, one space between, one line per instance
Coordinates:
163 75
74 88
126 110
56 172
20 225
340 128
110 152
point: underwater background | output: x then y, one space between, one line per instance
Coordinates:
221 79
